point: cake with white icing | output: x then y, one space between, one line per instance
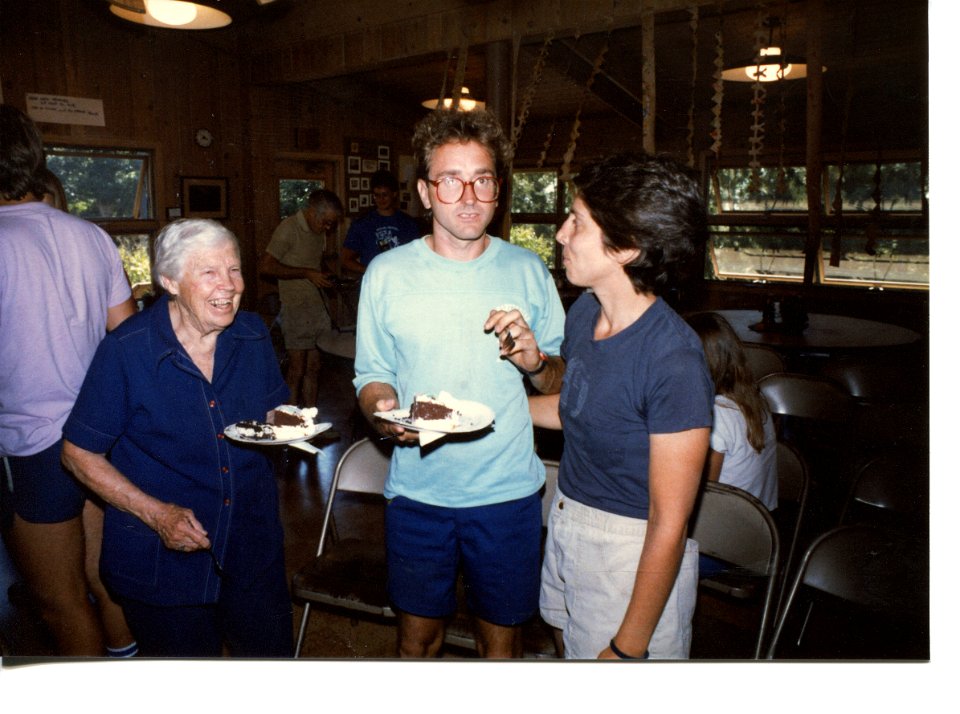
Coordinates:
282 424
428 412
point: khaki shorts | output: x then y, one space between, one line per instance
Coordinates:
302 325
589 569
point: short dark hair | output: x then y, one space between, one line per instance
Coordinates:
21 155
649 203
53 187
323 200
384 179
442 126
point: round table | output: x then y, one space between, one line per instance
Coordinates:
823 334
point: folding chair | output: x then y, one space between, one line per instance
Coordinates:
730 524
805 396
873 588
793 490
348 573
817 416
763 361
890 391
891 489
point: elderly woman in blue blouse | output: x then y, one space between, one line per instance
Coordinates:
192 540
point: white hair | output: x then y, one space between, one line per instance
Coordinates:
179 239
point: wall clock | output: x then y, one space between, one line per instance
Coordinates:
203 137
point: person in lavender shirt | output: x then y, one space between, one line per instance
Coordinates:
62 286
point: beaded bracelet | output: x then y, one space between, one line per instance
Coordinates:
623 655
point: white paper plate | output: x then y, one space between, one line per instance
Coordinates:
474 416
231 432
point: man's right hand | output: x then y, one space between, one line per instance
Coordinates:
319 279
380 397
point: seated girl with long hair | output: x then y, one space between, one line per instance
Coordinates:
743 442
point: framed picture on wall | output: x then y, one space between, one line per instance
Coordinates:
354 183
203 197
353 164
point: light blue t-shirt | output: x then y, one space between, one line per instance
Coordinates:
420 330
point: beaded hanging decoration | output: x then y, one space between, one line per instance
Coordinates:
531 90
717 108
546 145
758 127
575 129
694 24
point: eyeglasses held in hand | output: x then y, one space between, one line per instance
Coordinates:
450 189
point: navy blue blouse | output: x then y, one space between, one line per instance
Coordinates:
146 405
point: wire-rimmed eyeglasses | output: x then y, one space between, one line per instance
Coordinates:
450 189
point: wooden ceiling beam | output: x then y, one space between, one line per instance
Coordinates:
564 58
375 34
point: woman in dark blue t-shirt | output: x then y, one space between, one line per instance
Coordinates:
619 576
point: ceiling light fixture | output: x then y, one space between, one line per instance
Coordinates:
467 103
172 14
770 64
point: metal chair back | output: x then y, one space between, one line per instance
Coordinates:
732 525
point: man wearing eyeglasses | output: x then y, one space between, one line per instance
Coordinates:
383 228
464 312
295 256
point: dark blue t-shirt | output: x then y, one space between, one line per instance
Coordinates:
373 234
162 422
650 378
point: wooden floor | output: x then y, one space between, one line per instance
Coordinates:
303 482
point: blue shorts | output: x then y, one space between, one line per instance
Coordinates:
497 547
43 491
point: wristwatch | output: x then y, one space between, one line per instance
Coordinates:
540 367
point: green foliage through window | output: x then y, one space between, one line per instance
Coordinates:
135 254
103 184
538 237
878 236
294 194
535 212
534 192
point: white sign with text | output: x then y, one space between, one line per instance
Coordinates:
55 109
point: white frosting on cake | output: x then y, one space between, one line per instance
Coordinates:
284 431
444 399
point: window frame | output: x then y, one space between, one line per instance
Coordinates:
554 218
121 227
125 225
816 259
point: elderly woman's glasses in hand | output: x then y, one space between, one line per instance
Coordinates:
450 189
